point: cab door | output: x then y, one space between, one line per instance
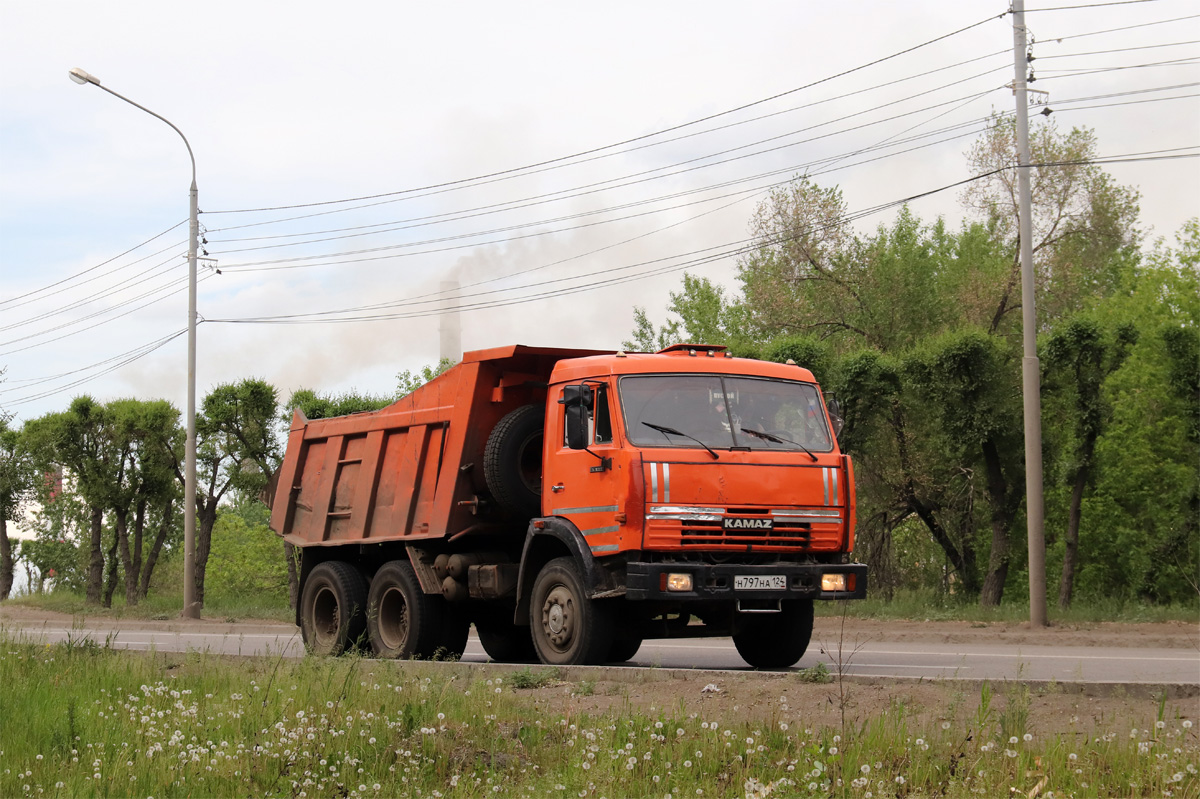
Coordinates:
581 485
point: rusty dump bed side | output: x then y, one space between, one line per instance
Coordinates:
410 470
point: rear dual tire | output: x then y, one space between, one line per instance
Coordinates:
393 616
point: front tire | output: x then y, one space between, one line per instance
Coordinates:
623 648
332 607
568 628
504 641
402 621
776 640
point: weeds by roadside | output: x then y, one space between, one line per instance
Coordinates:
97 721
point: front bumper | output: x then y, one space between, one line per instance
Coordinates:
647 581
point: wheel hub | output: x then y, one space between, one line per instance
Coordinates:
558 613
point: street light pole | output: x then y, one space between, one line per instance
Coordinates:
191 606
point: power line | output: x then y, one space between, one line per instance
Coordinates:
11 300
1090 5
140 353
632 140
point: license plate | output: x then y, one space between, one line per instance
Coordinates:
759 582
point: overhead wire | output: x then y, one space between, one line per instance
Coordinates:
12 301
642 137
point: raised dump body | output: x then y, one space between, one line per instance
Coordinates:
544 493
415 469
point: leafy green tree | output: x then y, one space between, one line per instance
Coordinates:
246 559
79 441
407 381
237 450
16 481
146 434
1079 357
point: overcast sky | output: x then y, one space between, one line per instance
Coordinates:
406 131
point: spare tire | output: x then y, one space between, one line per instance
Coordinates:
512 461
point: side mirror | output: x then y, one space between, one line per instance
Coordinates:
577 399
835 414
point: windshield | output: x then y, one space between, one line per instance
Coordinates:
714 410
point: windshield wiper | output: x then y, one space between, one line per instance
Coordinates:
671 431
777 440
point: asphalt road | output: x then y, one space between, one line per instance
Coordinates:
889 659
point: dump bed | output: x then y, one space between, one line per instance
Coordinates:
413 470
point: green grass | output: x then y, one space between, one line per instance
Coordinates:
162 606
932 606
83 720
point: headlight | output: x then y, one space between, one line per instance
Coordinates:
833 582
679 582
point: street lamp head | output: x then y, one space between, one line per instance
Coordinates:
81 77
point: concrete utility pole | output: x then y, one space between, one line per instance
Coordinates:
1030 366
191 607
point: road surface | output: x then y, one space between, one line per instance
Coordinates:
883 659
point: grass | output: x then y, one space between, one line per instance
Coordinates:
160 606
89 720
933 606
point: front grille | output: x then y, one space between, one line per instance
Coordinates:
706 533
697 527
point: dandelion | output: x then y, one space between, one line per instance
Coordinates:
1187 724
1028 737
945 725
1011 740
865 769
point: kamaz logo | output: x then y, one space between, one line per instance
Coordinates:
737 523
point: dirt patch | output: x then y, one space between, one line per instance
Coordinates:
926 708
1159 635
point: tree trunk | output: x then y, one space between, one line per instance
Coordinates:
1066 586
963 560
95 579
134 570
993 585
289 552
6 561
204 528
122 531
152 558
110 583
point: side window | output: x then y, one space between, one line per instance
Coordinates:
602 421
599 420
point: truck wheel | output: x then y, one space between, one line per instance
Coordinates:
776 640
402 622
331 609
623 648
452 638
568 628
504 641
512 461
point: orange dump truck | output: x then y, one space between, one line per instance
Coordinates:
572 503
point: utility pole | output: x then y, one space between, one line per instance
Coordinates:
1030 366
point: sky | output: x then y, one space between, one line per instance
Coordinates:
561 164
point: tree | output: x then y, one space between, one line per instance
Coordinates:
1079 357
407 382
146 434
79 440
1084 224
237 449
16 481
